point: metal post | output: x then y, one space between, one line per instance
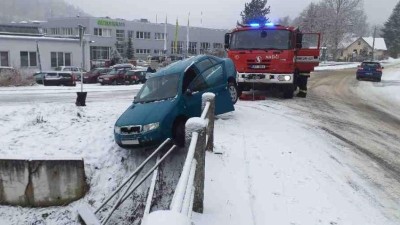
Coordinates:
373 45
83 63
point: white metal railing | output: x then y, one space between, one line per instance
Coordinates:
189 192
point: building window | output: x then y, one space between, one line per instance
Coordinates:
143 51
158 51
217 45
193 48
99 53
4 61
60 59
359 42
102 32
120 35
204 47
28 59
159 36
142 35
178 49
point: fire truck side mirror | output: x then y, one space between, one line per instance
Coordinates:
299 40
227 40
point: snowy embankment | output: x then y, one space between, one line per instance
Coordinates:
62 130
336 65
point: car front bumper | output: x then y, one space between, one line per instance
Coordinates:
149 138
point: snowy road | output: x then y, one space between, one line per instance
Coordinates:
332 158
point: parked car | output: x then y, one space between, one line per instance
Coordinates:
369 70
39 77
56 78
74 69
171 96
135 76
116 75
92 75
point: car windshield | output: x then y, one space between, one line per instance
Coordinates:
261 39
158 88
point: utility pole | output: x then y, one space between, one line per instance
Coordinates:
81 96
373 45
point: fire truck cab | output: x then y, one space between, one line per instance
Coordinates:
272 56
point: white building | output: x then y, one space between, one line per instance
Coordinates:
22 52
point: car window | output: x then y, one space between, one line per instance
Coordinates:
204 64
213 76
370 65
64 74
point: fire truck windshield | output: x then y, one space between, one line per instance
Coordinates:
261 39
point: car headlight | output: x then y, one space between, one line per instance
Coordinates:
117 130
151 126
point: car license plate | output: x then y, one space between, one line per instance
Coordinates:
368 73
100 80
258 66
130 142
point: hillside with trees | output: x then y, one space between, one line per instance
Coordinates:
21 10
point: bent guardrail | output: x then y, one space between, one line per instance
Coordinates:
189 193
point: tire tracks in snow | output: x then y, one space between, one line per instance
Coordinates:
249 182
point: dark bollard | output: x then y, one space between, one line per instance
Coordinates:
81 99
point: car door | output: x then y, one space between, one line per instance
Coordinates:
308 55
193 87
216 80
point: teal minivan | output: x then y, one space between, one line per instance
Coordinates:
171 96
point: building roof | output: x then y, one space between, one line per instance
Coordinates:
380 43
37 38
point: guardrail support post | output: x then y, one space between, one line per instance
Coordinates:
211 118
198 125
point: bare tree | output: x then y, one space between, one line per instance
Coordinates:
337 20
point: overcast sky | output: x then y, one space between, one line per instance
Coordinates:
216 13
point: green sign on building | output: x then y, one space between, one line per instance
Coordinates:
111 23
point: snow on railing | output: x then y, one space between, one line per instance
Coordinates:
189 193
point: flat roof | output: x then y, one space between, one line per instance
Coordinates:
37 38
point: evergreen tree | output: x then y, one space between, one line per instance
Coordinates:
115 57
255 12
391 32
129 49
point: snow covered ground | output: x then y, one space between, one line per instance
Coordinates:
276 167
280 168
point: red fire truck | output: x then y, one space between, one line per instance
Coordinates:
269 55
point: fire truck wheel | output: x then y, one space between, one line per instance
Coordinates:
233 91
288 92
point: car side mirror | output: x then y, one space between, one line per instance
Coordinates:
299 40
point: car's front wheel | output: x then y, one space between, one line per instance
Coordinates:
233 91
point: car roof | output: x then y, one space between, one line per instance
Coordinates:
371 62
181 65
